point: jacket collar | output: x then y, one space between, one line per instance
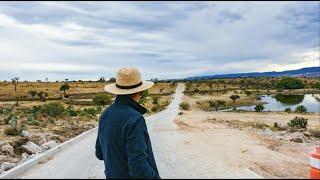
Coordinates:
126 100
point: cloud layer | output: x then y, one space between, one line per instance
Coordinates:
86 40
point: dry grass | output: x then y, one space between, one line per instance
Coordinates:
76 88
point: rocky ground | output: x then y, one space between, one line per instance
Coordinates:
17 150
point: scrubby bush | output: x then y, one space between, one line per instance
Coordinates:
298 122
259 108
216 104
144 95
13 130
248 93
316 85
99 109
71 111
31 120
288 110
53 109
5 111
10 131
32 93
155 100
90 111
43 96
301 109
101 99
184 106
154 109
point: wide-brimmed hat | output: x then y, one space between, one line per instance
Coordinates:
128 81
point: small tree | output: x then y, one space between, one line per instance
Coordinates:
102 79
15 82
112 79
33 93
64 87
43 96
301 109
234 97
101 99
216 104
259 108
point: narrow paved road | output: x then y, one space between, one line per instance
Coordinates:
173 159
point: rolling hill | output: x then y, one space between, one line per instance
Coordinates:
303 72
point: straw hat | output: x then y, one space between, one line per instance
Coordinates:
128 81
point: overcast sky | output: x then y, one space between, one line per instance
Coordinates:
86 40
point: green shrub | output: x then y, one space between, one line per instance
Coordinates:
90 111
301 109
53 109
298 122
14 121
71 111
288 110
99 109
5 111
259 108
290 83
154 109
184 106
155 100
144 95
101 99
316 85
31 120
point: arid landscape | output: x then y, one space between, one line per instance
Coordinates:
262 140
35 122
236 89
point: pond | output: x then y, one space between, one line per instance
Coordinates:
279 102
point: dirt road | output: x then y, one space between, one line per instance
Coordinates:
178 155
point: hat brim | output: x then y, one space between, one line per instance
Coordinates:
113 89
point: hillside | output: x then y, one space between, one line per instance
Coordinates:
303 72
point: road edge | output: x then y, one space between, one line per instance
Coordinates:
14 172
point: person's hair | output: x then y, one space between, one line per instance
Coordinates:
133 94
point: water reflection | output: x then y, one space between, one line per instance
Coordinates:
280 102
289 99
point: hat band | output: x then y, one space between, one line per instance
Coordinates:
129 87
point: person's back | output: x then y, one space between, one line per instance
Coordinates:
123 141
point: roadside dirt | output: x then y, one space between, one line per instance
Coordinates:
270 158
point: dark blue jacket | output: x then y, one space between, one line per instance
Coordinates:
123 141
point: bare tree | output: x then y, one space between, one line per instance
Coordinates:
15 82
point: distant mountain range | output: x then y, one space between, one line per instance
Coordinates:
303 72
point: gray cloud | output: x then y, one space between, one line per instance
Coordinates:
164 39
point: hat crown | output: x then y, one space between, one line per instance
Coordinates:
129 76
